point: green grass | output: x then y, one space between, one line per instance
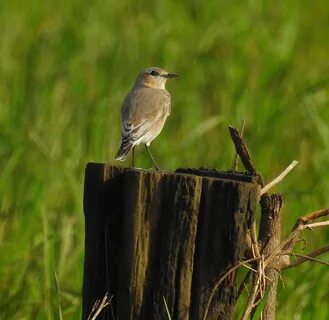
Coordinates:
64 70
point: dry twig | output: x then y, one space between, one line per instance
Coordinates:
305 258
221 279
313 216
275 254
312 254
304 223
99 306
278 178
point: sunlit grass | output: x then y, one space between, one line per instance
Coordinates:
64 71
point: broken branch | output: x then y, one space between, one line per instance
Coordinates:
235 162
242 150
312 216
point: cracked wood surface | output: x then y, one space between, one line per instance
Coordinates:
154 234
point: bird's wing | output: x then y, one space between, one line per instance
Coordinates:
141 110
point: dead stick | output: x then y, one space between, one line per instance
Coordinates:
253 295
314 225
220 280
290 242
235 162
312 254
279 178
313 216
242 150
305 257
99 306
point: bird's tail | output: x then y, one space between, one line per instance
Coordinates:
123 150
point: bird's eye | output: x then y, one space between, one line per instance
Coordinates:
154 73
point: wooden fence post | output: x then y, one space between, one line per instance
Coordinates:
154 235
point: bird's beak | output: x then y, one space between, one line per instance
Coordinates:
171 75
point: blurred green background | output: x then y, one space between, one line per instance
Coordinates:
65 68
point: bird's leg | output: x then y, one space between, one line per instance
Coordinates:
133 157
154 162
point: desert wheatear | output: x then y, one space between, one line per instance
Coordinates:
144 111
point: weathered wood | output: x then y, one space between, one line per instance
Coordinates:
152 235
270 239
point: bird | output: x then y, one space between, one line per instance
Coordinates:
144 112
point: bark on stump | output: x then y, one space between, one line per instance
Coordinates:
155 235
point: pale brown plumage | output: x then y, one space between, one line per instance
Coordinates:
144 110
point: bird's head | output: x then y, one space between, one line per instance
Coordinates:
154 78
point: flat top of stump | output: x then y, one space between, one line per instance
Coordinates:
201 172
213 173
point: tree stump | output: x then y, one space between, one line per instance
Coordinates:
153 237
